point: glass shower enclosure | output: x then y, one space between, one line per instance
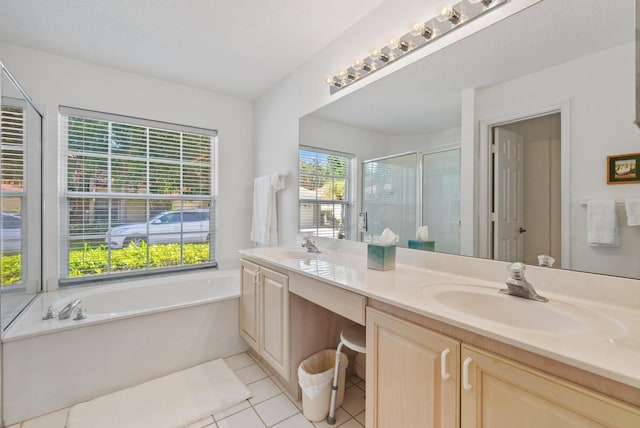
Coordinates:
414 189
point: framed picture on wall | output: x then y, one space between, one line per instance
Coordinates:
623 169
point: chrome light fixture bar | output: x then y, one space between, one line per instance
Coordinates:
421 33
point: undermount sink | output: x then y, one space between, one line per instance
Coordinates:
487 304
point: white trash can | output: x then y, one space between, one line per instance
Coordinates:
315 375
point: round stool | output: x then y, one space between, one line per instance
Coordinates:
353 337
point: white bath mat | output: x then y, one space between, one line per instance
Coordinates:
172 401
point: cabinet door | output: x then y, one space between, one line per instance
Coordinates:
405 383
249 298
274 321
501 393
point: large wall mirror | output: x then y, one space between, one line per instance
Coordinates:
499 142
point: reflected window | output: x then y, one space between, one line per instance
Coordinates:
13 178
325 198
139 195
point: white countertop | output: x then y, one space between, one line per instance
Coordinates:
602 338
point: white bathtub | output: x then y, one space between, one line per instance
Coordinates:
133 332
128 299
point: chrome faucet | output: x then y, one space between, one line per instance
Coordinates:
518 285
66 311
309 245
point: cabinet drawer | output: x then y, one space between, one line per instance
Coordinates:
342 302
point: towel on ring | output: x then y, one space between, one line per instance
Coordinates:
264 226
632 206
602 229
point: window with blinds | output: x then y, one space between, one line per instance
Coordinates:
325 187
12 171
139 195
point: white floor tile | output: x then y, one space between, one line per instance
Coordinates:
266 369
52 420
353 400
297 421
341 417
239 361
362 386
361 418
250 374
263 390
246 419
231 410
352 423
204 422
276 409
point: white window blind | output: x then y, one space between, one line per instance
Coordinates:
139 195
326 192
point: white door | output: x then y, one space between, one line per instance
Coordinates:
508 239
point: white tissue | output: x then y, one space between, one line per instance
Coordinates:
422 234
388 237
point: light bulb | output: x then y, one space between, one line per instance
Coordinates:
374 53
342 73
417 28
448 13
359 64
329 80
396 43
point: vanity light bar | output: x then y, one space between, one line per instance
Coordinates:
421 33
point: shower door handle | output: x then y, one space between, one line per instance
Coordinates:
522 229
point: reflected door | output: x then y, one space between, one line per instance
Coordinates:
508 191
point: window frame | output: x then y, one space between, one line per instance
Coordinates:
348 202
148 196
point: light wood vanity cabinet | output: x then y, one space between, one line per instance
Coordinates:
264 314
406 386
412 375
503 393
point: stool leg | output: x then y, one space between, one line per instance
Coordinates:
331 419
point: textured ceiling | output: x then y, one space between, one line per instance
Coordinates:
236 47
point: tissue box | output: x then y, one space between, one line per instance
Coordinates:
422 245
381 257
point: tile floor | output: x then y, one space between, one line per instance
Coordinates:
269 406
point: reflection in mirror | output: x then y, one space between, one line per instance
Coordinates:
389 196
554 82
20 138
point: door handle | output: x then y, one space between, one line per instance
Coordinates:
522 229
443 364
465 374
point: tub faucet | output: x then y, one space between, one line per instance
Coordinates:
518 285
66 311
309 245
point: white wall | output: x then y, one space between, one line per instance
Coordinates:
428 143
53 81
278 111
600 92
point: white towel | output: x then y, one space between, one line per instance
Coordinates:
632 206
264 227
602 229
